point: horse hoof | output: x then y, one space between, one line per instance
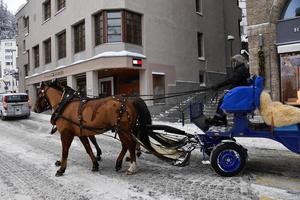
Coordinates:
118 166
57 163
98 158
129 173
127 159
95 169
59 173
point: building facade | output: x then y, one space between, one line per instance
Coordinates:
8 67
126 46
274 36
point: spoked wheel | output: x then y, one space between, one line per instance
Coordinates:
228 159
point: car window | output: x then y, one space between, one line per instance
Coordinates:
17 98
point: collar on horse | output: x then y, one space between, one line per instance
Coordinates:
65 100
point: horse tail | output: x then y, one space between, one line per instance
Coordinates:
141 131
144 119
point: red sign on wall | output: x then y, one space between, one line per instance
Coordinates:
136 62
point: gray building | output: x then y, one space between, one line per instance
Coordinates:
126 46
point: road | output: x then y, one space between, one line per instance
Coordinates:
28 153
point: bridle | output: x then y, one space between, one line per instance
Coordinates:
44 97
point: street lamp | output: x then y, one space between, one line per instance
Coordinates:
230 38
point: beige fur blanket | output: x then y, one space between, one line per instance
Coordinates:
277 114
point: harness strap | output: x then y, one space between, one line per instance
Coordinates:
83 101
122 110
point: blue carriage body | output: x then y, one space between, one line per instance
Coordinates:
241 101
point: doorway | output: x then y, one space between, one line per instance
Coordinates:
106 86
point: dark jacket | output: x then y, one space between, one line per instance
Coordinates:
239 77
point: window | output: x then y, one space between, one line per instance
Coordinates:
8 63
61 4
79 37
118 26
291 10
47 9
25 22
36 56
47 51
8 44
133 28
202 77
61 41
200 45
98 18
199 6
8 57
24 45
26 70
158 88
114 26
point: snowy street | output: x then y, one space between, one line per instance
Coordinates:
28 153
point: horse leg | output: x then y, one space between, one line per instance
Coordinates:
132 168
66 141
84 140
94 141
128 141
138 152
120 158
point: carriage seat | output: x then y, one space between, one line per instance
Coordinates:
243 99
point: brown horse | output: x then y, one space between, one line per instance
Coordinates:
126 117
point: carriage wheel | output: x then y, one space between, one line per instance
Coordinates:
228 159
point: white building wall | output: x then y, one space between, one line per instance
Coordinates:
8 54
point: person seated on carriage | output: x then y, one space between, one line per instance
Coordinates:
239 77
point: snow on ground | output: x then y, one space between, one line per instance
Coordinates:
79 183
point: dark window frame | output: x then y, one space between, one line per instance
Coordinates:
130 28
60 4
26 70
110 20
79 37
47 9
199 6
47 51
200 42
36 56
99 24
26 23
61 45
133 28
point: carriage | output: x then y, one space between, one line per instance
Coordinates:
130 118
226 156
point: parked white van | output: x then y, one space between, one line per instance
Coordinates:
14 105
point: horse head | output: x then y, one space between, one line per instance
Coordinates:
42 102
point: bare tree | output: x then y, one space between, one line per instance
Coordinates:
8 25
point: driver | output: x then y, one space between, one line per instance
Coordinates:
239 77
